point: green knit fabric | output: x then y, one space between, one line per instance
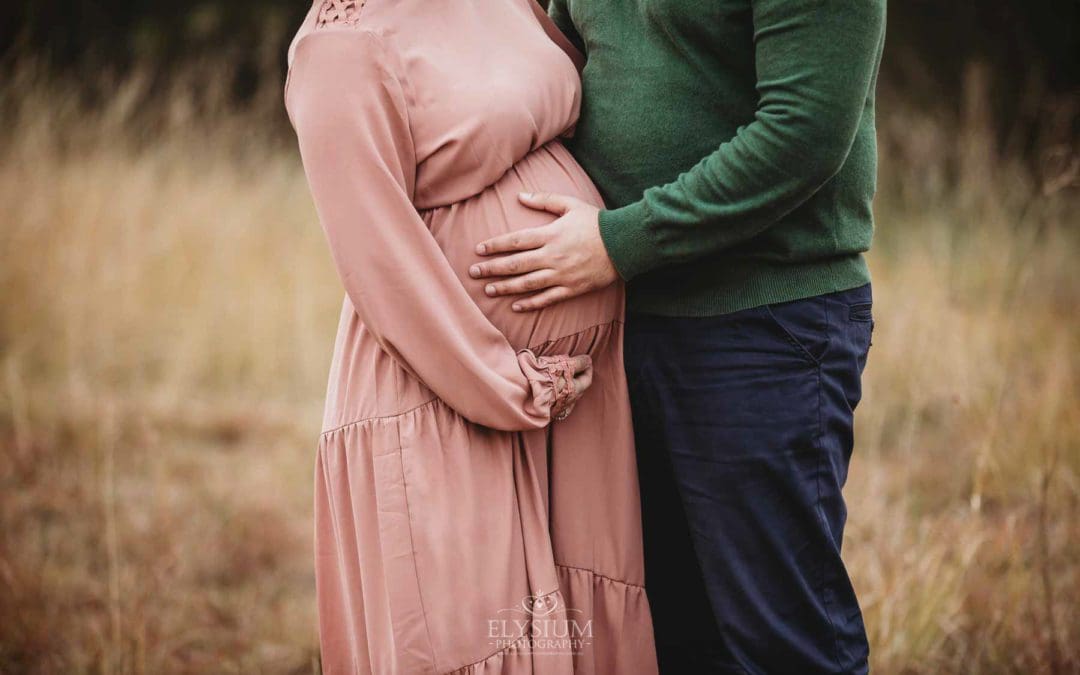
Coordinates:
733 142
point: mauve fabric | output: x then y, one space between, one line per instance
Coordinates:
445 496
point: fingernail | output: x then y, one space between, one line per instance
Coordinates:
481 249
474 271
525 195
516 308
490 289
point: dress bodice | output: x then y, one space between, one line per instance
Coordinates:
483 87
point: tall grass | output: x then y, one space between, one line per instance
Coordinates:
167 307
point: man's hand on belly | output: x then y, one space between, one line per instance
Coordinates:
555 262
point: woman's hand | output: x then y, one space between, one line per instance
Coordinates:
557 381
580 368
561 260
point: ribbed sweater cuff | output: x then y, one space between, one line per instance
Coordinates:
625 235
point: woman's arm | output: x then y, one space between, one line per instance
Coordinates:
349 113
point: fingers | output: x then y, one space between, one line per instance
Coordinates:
582 382
521 240
583 372
581 367
581 364
534 237
547 201
517 263
526 283
544 298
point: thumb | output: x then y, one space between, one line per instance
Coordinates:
546 201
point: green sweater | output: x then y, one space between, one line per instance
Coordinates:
733 142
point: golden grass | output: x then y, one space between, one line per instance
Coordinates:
167 312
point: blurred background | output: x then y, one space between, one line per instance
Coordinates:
167 310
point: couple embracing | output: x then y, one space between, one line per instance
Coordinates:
591 402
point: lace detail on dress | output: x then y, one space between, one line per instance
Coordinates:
562 379
340 13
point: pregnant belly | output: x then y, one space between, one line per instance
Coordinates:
458 228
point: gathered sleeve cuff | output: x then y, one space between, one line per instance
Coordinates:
551 381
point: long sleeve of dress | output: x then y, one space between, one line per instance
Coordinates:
349 112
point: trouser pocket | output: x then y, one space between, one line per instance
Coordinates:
804 324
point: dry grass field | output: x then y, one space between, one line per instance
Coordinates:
167 306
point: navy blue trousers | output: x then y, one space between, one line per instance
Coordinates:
743 425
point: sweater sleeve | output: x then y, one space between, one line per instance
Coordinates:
350 117
815 61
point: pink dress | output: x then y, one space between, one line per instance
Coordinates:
459 529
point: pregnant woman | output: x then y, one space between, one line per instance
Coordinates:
466 521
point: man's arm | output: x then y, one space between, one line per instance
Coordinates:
815 65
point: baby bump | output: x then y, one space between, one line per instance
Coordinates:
458 228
